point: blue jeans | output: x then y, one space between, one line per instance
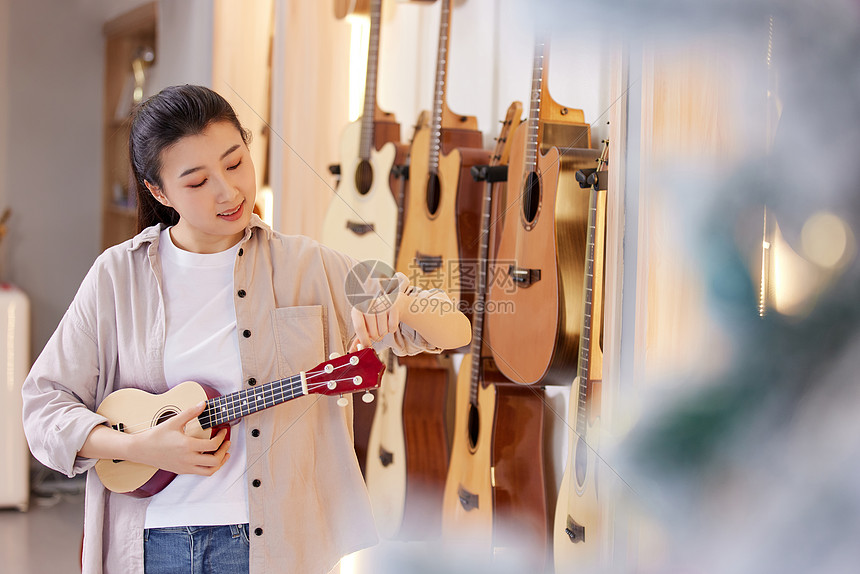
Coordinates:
196 549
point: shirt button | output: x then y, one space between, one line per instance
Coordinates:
255 433
242 252
256 482
258 531
246 333
252 381
241 293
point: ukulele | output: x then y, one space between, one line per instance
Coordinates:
538 269
577 512
495 476
361 219
133 411
443 210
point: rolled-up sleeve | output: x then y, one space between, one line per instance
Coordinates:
59 393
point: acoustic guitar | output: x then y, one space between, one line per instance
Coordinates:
361 219
576 526
495 477
443 210
538 268
134 411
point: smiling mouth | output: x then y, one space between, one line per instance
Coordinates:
233 212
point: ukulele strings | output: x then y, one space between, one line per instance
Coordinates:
282 391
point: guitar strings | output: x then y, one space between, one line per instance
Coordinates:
234 407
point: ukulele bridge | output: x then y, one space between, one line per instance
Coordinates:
428 263
359 228
523 277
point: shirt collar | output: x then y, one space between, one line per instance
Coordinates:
150 234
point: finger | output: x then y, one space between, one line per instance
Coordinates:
393 319
372 322
211 444
360 326
353 347
187 415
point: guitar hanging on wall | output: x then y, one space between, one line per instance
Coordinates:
495 477
133 411
361 219
443 210
543 239
577 514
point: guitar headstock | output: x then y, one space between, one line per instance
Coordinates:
358 371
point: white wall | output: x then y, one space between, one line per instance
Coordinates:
51 83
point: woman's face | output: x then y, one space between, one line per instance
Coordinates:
209 180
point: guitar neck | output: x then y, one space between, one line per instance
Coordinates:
440 90
591 298
367 127
226 408
539 68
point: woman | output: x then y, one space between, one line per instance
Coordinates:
207 292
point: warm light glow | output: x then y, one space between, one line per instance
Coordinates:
347 564
359 38
826 239
266 203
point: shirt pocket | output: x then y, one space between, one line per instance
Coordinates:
300 337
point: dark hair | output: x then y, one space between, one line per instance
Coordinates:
160 122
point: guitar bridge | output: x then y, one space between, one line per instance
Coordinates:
574 531
428 263
523 277
468 500
385 457
359 228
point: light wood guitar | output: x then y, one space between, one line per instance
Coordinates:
538 268
476 497
134 411
361 219
444 202
576 527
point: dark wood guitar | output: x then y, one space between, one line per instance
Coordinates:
133 411
443 211
538 269
576 528
495 478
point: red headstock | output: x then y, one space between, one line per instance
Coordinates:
358 371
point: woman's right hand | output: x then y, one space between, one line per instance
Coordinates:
166 446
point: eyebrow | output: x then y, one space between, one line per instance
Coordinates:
225 154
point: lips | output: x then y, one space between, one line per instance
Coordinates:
233 214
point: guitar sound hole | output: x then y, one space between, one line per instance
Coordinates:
433 193
531 197
474 426
363 177
165 416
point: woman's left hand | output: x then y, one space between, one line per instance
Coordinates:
370 327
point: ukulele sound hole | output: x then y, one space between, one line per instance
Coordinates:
531 197
580 462
165 415
474 426
433 193
363 177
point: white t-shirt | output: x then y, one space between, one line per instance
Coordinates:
202 345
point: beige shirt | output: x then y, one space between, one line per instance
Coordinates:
311 507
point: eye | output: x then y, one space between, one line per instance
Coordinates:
232 167
195 186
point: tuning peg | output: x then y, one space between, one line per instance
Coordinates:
353 360
359 347
331 385
342 402
333 356
367 397
356 380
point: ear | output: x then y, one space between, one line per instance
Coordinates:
157 193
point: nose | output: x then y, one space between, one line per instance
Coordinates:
225 190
